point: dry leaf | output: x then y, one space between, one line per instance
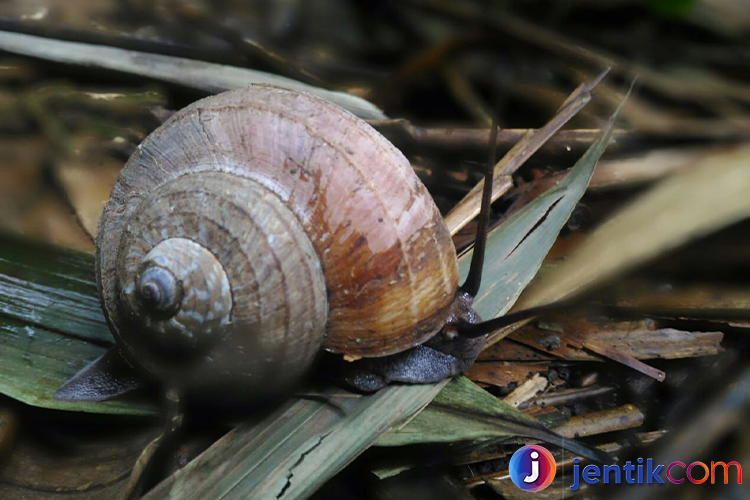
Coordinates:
701 200
87 187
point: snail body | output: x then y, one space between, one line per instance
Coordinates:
256 227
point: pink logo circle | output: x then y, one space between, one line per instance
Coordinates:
532 468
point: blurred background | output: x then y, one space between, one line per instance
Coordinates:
438 71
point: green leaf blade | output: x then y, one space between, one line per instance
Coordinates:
51 325
51 287
517 248
36 361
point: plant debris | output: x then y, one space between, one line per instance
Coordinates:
628 232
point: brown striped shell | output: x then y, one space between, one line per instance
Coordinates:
259 224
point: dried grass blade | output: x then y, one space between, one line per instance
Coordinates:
209 77
703 199
532 141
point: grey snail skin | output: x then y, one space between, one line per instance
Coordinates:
259 227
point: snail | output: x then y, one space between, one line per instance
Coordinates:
257 227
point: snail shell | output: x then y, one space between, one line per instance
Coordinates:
256 226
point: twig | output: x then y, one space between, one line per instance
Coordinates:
405 135
600 422
468 207
526 391
568 396
615 355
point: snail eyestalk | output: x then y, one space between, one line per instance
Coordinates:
474 330
474 279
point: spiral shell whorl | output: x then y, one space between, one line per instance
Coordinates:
180 294
218 284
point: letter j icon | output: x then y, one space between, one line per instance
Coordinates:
532 468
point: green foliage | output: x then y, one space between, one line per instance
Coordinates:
670 8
